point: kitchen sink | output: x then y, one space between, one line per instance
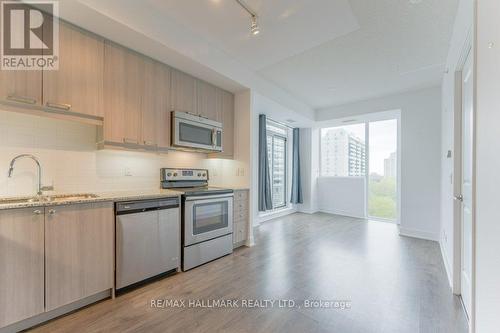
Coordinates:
48 198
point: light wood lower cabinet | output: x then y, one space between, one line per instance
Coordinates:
21 264
79 251
241 223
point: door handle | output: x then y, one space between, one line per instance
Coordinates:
60 106
459 198
21 99
130 141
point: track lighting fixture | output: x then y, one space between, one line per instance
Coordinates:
254 27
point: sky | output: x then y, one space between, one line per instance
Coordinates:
383 141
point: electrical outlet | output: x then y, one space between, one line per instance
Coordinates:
242 172
128 172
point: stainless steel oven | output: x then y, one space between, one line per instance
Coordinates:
207 217
195 132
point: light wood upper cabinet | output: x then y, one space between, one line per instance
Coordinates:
183 92
207 104
227 124
123 94
78 84
23 87
79 252
156 113
22 264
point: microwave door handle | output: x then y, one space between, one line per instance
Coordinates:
214 137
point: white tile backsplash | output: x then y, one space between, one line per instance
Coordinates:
70 161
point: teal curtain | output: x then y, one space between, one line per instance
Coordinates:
265 196
296 197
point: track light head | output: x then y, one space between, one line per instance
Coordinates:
254 27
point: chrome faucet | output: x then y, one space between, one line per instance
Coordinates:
40 187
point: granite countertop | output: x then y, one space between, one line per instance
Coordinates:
76 198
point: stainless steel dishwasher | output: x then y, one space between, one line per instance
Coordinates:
147 239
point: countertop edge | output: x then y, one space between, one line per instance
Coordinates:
100 198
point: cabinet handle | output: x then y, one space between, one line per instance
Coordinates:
21 99
60 106
132 141
149 143
37 212
52 211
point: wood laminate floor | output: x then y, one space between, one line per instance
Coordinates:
394 284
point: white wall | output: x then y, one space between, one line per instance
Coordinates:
461 32
420 154
342 195
487 223
70 161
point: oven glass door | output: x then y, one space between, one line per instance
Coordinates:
207 218
210 216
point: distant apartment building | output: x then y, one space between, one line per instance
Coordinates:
390 166
343 154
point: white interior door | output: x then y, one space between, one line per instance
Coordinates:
467 181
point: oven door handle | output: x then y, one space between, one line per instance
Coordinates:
208 197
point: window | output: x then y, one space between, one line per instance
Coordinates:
382 183
343 151
277 155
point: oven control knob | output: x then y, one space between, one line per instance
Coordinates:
204 174
169 174
175 174
199 175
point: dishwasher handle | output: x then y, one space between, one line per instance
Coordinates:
146 205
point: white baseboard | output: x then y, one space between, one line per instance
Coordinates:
262 217
341 213
308 211
418 234
447 266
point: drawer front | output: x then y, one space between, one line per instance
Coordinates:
240 205
241 195
240 216
240 232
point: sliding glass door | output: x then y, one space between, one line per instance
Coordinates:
365 152
276 150
383 170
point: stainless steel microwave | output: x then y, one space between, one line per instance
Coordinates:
195 132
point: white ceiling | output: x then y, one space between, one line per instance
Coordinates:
399 47
310 54
288 27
